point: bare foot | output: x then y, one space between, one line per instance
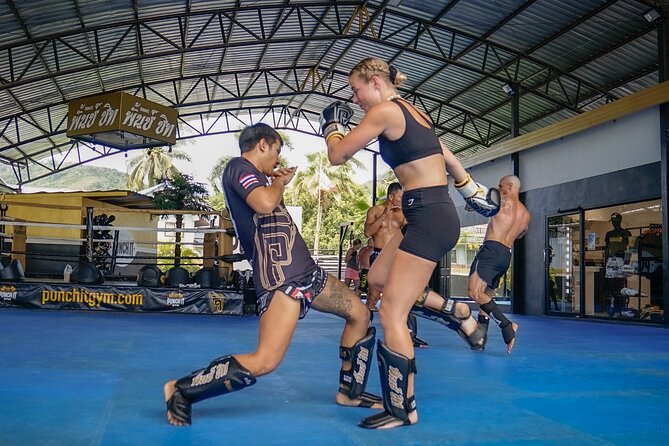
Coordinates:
168 390
344 400
511 343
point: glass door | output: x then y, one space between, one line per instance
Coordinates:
562 260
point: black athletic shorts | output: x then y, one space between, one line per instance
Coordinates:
375 253
364 285
304 290
433 226
491 262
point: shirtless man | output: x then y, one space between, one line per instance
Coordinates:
383 221
494 256
381 224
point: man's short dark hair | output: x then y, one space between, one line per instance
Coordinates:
251 136
393 188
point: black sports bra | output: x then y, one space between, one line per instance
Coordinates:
417 142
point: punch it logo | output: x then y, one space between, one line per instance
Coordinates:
175 299
216 302
7 292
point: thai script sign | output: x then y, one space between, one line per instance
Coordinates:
107 118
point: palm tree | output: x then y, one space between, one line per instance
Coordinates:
214 177
181 193
382 183
152 165
323 182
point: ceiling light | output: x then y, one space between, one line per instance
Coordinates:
652 15
508 89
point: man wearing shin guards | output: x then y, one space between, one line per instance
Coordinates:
409 144
382 222
455 315
287 282
494 256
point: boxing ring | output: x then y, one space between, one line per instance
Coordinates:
116 258
95 378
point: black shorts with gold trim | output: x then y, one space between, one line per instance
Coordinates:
304 290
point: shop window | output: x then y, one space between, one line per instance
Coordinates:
621 275
562 263
624 261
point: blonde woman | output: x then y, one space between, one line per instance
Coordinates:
409 144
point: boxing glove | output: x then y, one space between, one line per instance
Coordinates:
479 198
334 118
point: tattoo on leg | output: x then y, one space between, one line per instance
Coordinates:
334 299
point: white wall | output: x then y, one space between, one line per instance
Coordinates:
630 141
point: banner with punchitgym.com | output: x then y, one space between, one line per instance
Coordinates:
77 297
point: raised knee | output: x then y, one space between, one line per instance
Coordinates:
359 314
462 311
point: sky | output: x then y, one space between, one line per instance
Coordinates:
207 150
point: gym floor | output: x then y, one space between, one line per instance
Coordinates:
95 378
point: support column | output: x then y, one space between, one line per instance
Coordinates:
518 251
663 62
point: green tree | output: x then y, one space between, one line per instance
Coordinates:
217 201
192 265
382 183
352 207
214 177
181 193
152 166
324 184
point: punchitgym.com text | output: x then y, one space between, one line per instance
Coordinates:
91 299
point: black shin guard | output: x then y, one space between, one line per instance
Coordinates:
222 375
353 382
394 369
496 315
447 317
412 323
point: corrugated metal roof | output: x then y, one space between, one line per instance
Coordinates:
239 59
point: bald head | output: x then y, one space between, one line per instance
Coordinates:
510 184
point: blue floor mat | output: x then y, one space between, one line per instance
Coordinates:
88 378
